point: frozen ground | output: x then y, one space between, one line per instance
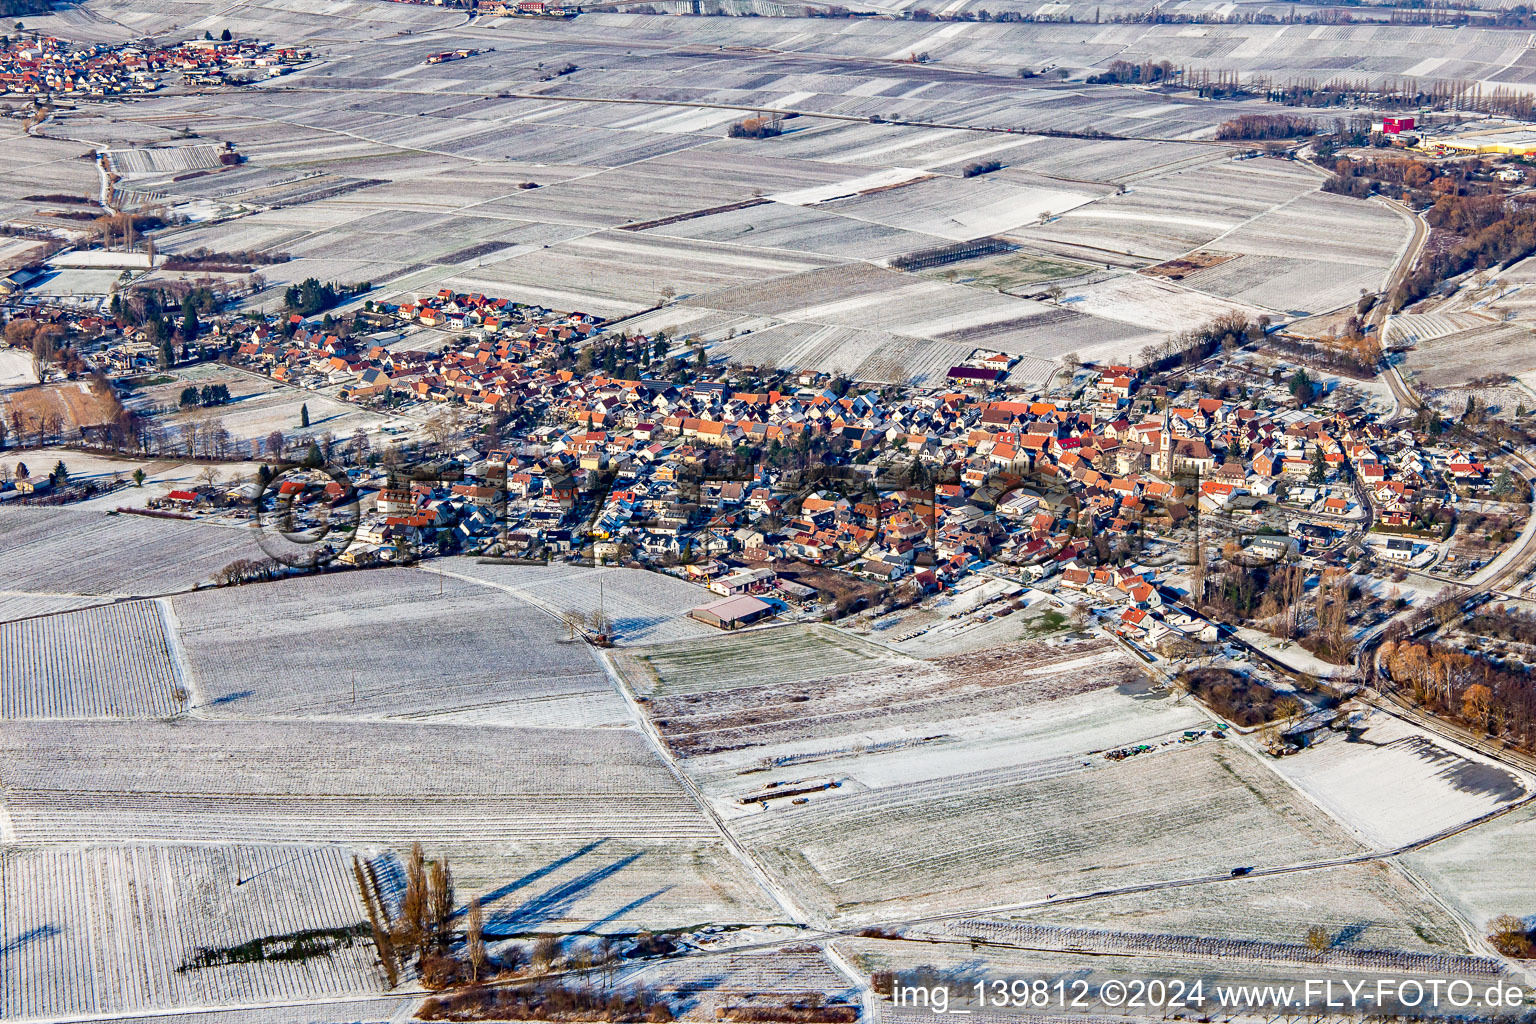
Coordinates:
74 551
1392 784
394 643
1488 870
263 781
643 606
1372 906
112 662
1011 835
607 886
16 368
97 930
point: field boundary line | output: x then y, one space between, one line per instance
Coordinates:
780 897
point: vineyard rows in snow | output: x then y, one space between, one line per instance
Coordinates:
335 782
388 642
112 662
98 930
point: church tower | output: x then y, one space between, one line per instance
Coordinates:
1162 463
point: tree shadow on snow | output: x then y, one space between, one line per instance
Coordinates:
26 938
555 902
534 875
1350 933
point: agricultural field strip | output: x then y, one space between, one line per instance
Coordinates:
88 554
264 781
1373 904
1035 936
103 930
781 654
358 642
858 850
1401 784
566 589
888 703
109 662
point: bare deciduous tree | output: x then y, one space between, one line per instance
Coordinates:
474 940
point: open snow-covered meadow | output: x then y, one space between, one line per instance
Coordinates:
1392 784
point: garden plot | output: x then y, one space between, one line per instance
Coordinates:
336 783
641 606
1370 906
1486 871
920 849
785 655
112 662
895 701
68 551
1393 784
607 885
393 643
105 930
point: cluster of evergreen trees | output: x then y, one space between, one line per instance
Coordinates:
310 296
208 395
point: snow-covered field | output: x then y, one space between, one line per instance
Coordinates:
607 885
1372 906
643 607
110 929
1050 731
1011 835
74 551
394 643
1488 870
1392 783
16 368
112 662
754 658
263 781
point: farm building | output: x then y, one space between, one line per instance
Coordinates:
742 581
1504 141
732 612
973 373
